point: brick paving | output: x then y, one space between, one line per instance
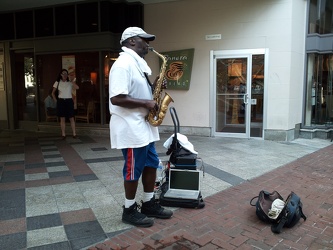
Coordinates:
228 221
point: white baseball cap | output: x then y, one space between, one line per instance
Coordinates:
136 31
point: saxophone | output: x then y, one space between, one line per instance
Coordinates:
155 117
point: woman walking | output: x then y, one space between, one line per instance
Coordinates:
65 104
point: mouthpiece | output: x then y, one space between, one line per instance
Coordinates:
151 48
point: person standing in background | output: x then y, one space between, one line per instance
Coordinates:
65 104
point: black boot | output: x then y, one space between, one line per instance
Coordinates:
132 216
153 209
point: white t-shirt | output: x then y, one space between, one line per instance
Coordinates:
128 127
65 89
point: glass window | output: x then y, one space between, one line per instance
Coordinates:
105 15
44 22
115 16
319 97
65 20
320 17
135 15
87 17
24 24
118 17
7 31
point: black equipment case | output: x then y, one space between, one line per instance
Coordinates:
180 157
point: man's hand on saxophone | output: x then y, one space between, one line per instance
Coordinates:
153 105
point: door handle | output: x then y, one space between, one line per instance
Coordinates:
245 98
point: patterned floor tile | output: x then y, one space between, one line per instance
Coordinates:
12 176
14 167
57 169
53 152
15 149
12 185
61 180
94 201
10 163
12 226
35 170
99 149
12 213
83 243
113 224
37 183
12 204
85 177
69 204
84 234
40 201
59 174
89 188
106 159
52 156
52 149
43 221
55 164
37 210
49 160
109 213
12 157
77 216
38 176
35 165
13 241
83 230
45 236
65 245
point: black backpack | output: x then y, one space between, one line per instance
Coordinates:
290 214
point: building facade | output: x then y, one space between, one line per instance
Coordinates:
261 69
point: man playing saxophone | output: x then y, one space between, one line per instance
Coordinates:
130 101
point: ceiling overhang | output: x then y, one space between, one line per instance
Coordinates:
10 5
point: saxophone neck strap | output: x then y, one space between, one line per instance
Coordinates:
150 84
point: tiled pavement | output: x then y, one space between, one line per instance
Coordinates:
57 194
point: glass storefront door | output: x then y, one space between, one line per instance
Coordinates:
319 95
238 83
24 87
